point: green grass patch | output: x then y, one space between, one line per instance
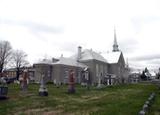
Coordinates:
113 100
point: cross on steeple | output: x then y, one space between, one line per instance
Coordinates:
115 45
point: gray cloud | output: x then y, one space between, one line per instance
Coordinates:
69 46
150 58
138 22
145 19
154 62
129 45
34 26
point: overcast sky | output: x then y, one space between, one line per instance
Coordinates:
49 28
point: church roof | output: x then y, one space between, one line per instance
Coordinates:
70 62
112 57
90 55
44 61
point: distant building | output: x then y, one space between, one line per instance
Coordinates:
110 69
134 77
11 73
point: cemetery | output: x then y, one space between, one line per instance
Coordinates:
79 57
124 99
87 83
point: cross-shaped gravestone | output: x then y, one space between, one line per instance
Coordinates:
71 87
24 84
87 78
99 82
43 89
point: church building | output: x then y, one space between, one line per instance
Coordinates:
109 69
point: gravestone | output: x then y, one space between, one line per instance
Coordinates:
3 89
145 107
87 78
3 92
147 103
83 80
142 112
71 84
23 83
99 86
43 89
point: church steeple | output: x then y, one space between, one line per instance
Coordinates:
127 65
115 45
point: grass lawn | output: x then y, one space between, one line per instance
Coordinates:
113 100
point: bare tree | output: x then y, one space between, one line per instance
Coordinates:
42 70
5 54
19 61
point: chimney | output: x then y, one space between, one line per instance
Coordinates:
79 53
55 60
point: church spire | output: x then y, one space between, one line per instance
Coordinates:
127 65
115 45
